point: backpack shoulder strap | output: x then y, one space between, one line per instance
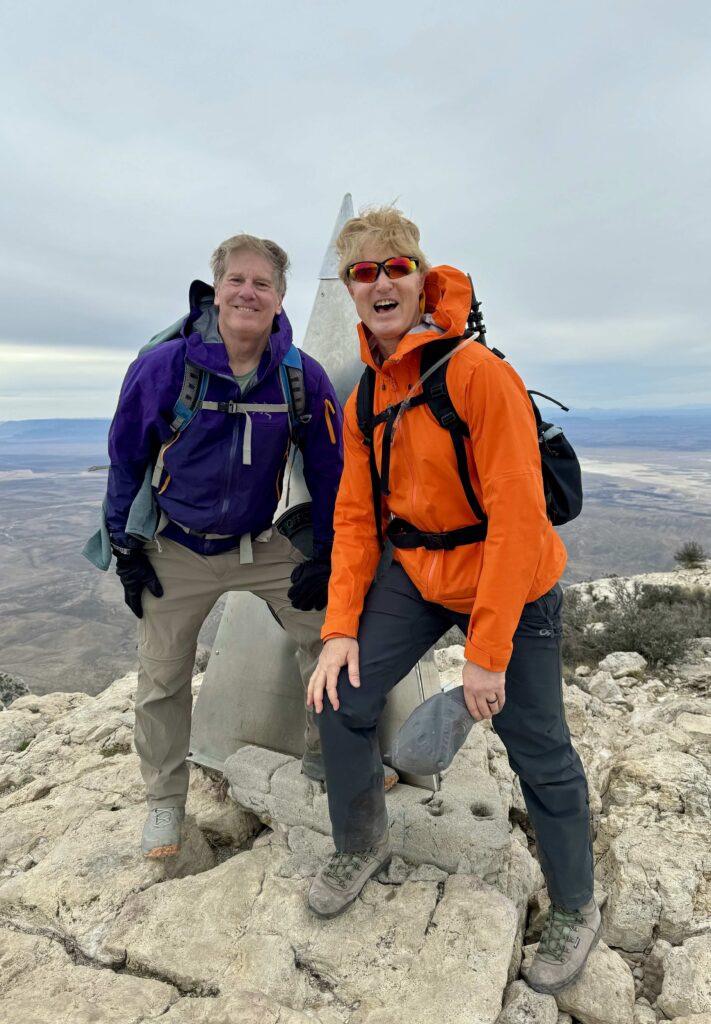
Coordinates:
364 412
364 404
440 404
291 376
192 392
435 385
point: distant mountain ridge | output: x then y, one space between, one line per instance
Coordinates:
681 429
59 430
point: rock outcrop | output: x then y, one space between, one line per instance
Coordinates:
92 932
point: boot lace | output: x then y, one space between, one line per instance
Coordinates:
342 866
556 932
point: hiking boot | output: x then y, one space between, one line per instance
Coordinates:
568 938
161 833
312 767
337 884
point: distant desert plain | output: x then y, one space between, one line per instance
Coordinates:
63 623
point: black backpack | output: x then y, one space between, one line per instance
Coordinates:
562 482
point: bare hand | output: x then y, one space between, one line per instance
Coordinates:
480 688
336 653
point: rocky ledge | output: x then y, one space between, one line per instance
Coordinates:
92 932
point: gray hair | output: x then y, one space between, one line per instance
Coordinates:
264 246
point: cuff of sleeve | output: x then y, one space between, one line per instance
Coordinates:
340 625
484 658
125 540
322 548
337 636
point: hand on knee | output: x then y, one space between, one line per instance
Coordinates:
335 654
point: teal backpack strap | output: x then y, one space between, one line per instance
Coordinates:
192 392
291 376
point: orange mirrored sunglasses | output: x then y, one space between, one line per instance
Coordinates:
367 271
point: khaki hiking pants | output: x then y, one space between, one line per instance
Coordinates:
167 641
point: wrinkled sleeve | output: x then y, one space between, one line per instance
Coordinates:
356 550
136 433
322 451
505 449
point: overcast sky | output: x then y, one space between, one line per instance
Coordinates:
558 151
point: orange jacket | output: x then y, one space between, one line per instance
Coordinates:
522 555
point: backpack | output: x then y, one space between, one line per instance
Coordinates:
562 480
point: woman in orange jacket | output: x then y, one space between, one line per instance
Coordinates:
500 588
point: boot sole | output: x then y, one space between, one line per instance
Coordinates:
162 851
550 990
346 906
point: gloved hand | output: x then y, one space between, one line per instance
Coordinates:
310 584
136 572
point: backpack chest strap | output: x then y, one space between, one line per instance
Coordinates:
236 408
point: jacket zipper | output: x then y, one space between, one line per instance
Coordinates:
236 431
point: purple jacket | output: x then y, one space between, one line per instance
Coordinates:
208 488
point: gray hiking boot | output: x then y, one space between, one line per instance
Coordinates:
161 832
337 884
312 767
568 938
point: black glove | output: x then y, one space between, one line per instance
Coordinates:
310 584
135 572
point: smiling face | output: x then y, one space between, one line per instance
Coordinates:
247 298
388 308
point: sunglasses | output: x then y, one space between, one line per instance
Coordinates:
396 267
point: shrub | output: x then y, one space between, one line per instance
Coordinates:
690 555
656 621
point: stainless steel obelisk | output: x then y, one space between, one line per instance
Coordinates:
252 692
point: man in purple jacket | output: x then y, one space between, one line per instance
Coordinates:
217 483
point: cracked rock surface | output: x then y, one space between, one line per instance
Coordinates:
92 932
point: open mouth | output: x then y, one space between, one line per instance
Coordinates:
245 309
385 305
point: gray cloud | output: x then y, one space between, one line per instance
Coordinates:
557 151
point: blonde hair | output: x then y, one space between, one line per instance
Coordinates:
385 226
264 246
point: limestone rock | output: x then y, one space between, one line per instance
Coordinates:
624 663
524 1006
240 1008
662 783
79 886
373 964
222 822
644 1014
695 725
39 983
653 873
687 980
654 967
604 992
271 786
450 662
17 730
602 685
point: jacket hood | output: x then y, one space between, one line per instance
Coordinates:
206 348
448 300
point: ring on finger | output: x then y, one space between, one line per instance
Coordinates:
492 700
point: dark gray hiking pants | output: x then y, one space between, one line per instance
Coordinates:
397 627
